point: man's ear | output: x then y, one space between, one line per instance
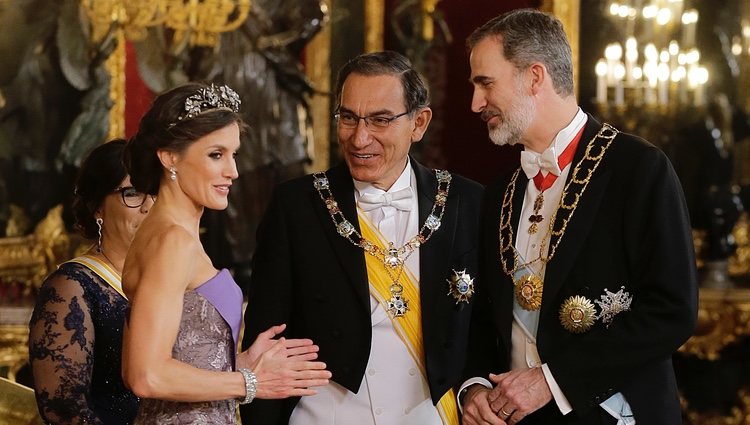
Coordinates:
539 74
421 122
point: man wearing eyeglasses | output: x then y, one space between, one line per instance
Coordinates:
374 260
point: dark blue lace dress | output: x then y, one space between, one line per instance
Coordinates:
75 350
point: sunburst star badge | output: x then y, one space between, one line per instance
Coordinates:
461 286
577 314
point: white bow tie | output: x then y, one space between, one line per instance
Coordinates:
400 199
532 162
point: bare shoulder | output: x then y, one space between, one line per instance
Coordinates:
162 254
167 239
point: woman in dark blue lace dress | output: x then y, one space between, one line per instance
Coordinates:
75 339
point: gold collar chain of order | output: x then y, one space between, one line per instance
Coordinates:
527 286
393 258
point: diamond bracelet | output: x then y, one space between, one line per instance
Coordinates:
251 385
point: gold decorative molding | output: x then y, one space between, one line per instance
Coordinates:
739 262
115 66
193 23
28 259
18 405
374 25
24 263
14 353
569 13
318 70
428 22
723 318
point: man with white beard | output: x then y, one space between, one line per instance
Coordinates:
587 271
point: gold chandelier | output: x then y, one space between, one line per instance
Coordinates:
658 65
192 22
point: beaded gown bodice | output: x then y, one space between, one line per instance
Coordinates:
207 337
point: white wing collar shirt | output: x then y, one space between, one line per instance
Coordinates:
393 391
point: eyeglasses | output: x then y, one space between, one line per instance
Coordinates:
373 122
132 198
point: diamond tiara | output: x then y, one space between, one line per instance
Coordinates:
209 98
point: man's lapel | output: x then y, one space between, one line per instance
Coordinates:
435 254
505 301
351 257
580 220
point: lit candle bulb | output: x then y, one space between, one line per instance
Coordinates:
663 77
601 82
613 54
689 21
637 76
650 71
619 89
631 56
700 89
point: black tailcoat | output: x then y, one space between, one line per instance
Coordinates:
631 229
307 276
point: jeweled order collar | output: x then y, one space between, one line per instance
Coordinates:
528 287
347 230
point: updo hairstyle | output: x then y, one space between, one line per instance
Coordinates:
161 129
100 174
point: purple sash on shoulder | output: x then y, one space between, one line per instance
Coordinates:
224 294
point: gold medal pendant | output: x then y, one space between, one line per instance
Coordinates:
528 291
577 314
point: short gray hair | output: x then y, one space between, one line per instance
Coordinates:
528 36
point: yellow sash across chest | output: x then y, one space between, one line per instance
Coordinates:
104 270
409 326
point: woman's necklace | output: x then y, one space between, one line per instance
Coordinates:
111 263
392 258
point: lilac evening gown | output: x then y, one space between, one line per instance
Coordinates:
207 339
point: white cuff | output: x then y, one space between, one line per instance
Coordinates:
469 382
562 402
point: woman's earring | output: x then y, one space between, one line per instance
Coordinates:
172 174
99 222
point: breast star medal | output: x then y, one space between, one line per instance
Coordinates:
577 314
461 286
612 304
397 305
528 291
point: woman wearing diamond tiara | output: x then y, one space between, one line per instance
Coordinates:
179 348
